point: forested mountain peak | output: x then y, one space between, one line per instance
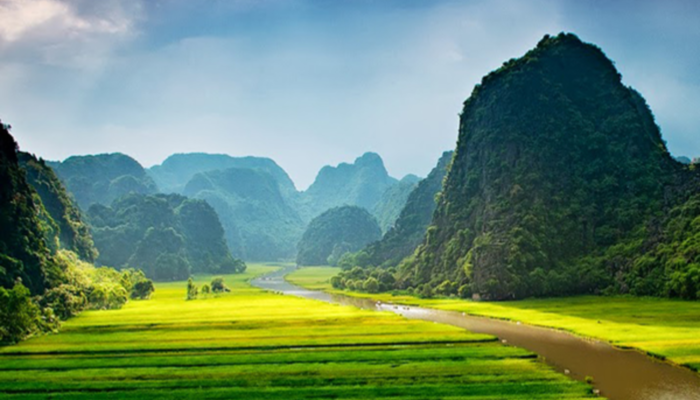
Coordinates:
260 222
336 232
556 163
177 170
102 178
361 183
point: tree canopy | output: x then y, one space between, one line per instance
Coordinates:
335 232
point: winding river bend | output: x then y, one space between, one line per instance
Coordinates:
618 374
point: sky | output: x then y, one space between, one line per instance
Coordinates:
308 83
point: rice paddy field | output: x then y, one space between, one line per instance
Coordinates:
252 344
668 329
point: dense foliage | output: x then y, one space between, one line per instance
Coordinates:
663 257
335 232
393 200
409 229
40 281
24 253
102 178
560 176
166 236
359 184
64 219
260 223
177 170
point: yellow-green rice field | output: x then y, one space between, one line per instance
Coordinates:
255 344
668 329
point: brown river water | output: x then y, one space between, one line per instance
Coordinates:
618 374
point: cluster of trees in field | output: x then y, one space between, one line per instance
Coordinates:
46 250
336 232
216 286
554 194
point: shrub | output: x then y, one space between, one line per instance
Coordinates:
425 291
446 288
65 300
371 285
206 289
336 282
191 290
136 283
19 315
218 286
107 296
142 290
464 291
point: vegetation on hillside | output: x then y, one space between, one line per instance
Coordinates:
167 236
259 222
64 221
336 232
393 200
409 229
41 282
24 254
560 177
103 178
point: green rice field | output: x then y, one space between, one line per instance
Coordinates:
258 345
668 329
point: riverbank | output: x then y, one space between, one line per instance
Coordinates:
666 329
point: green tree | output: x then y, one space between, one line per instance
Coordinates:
218 286
336 232
19 315
206 289
192 291
371 285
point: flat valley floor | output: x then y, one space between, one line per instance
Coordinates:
259 345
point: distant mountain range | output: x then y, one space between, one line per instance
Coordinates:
262 212
103 178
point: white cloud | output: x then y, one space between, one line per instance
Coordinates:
19 18
306 90
59 33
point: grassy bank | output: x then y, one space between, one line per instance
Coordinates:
254 344
665 328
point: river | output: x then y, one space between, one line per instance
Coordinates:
618 374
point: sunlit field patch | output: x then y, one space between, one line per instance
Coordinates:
665 328
254 344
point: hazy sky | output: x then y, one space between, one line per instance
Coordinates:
308 83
